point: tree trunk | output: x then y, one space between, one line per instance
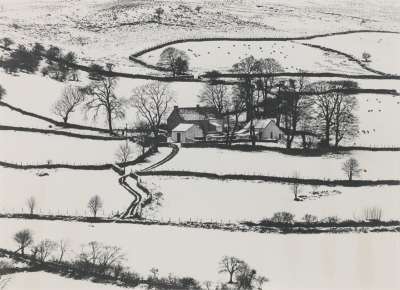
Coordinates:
109 120
230 278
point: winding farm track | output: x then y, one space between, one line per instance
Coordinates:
135 208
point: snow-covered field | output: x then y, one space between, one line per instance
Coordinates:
109 31
382 47
375 165
377 115
205 199
47 281
322 261
202 56
36 148
63 191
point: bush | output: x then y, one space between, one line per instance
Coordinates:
309 219
283 218
331 220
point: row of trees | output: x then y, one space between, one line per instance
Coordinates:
95 204
95 258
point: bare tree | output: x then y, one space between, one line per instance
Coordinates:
351 168
345 121
235 107
71 97
43 250
124 153
267 82
230 265
295 106
95 204
62 246
154 273
175 60
101 98
245 90
152 102
366 57
24 239
295 186
31 204
215 96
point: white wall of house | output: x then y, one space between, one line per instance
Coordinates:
187 136
272 131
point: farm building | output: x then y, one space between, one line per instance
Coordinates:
186 133
266 129
205 117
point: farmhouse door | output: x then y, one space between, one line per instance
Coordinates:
178 137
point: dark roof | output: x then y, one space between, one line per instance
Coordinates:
197 113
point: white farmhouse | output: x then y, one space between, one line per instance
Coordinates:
265 129
184 133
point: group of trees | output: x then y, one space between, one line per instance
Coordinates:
59 66
95 258
241 273
174 60
323 109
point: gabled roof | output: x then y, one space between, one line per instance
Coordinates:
260 123
197 113
182 127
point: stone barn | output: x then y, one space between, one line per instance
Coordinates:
266 130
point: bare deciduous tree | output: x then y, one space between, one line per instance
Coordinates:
152 102
43 250
95 204
24 239
101 98
230 265
62 246
215 96
295 106
71 97
124 153
351 168
366 57
295 186
31 204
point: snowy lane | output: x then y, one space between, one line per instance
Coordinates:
323 261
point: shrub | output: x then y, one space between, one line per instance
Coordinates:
331 220
283 217
309 218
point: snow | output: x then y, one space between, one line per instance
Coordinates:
47 281
375 165
233 200
202 56
63 191
321 261
382 47
40 148
376 114
9 117
92 28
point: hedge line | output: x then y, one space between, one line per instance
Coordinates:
63 133
278 179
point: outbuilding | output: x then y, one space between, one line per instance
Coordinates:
265 129
185 133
